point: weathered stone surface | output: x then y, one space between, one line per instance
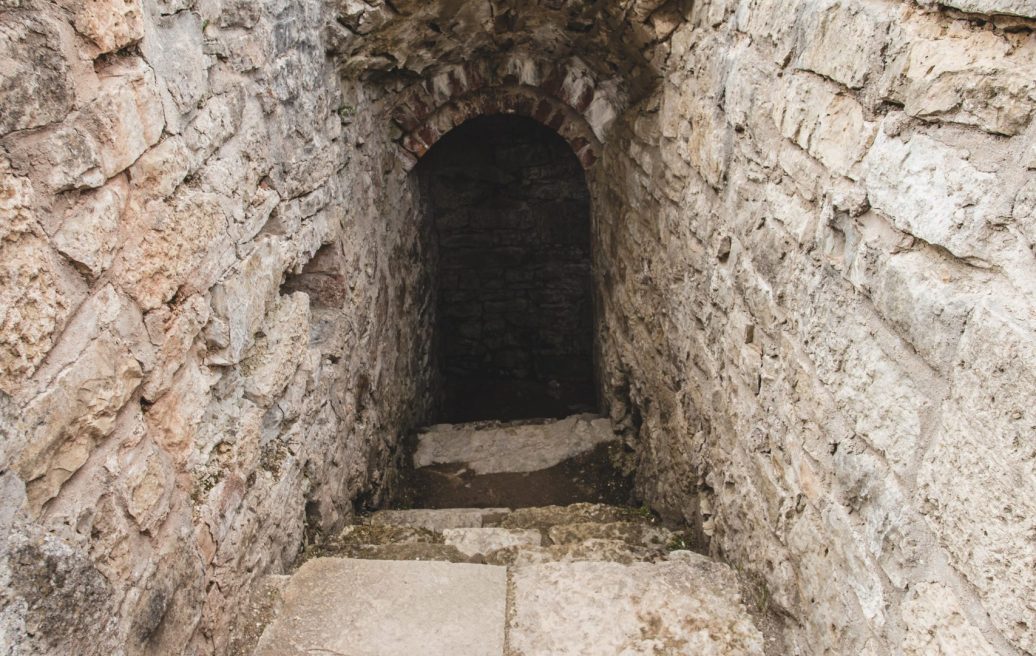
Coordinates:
520 448
240 302
936 624
438 520
169 242
592 550
634 533
481 541
390 608
687 606
111 24
930 190
38 293
35 76
828 125
969 77
978 481
89 230
843 40
1014 7
173 46
94 374
272 361
577 513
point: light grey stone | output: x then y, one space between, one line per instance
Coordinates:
390 608
517 448
688 606
479 541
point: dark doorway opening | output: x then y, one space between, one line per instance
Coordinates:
511 216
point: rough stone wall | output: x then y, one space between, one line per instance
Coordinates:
817 246
510 209
207 336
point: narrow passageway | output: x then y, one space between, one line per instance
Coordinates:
511 214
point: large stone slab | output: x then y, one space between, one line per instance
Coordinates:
513 448
390 608
689 605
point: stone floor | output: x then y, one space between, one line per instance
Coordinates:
583 578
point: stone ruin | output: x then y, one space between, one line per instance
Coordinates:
794 264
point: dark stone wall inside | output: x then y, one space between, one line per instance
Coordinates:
511 215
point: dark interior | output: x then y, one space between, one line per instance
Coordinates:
511 216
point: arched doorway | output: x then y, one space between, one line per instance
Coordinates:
510 213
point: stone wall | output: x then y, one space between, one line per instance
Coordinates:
207 339
817 240
511 214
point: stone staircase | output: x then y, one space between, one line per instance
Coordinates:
576 579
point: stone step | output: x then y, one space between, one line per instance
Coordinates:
390 608
687 605
518 464
528 536
438 520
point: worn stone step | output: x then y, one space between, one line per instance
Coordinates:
634 533
519 464
487 448
486 541
545 517
390 608
688 605
616 551
439 519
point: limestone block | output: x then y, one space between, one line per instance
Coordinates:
1011 7
173 421
173 332
884 399
147 484
38 292
110 24
89 231
937 626
168 242
481 541
633 533
686 606
95 371
973 77
835 575
240 302
217 120
977 483
126 118
278 352
932 191
925 299
842 40
160 170
589 550
769 19
173 47
521 448
437 520
390 608
829 125
35 80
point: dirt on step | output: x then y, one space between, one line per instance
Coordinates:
591 477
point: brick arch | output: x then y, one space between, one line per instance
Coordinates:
564 97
